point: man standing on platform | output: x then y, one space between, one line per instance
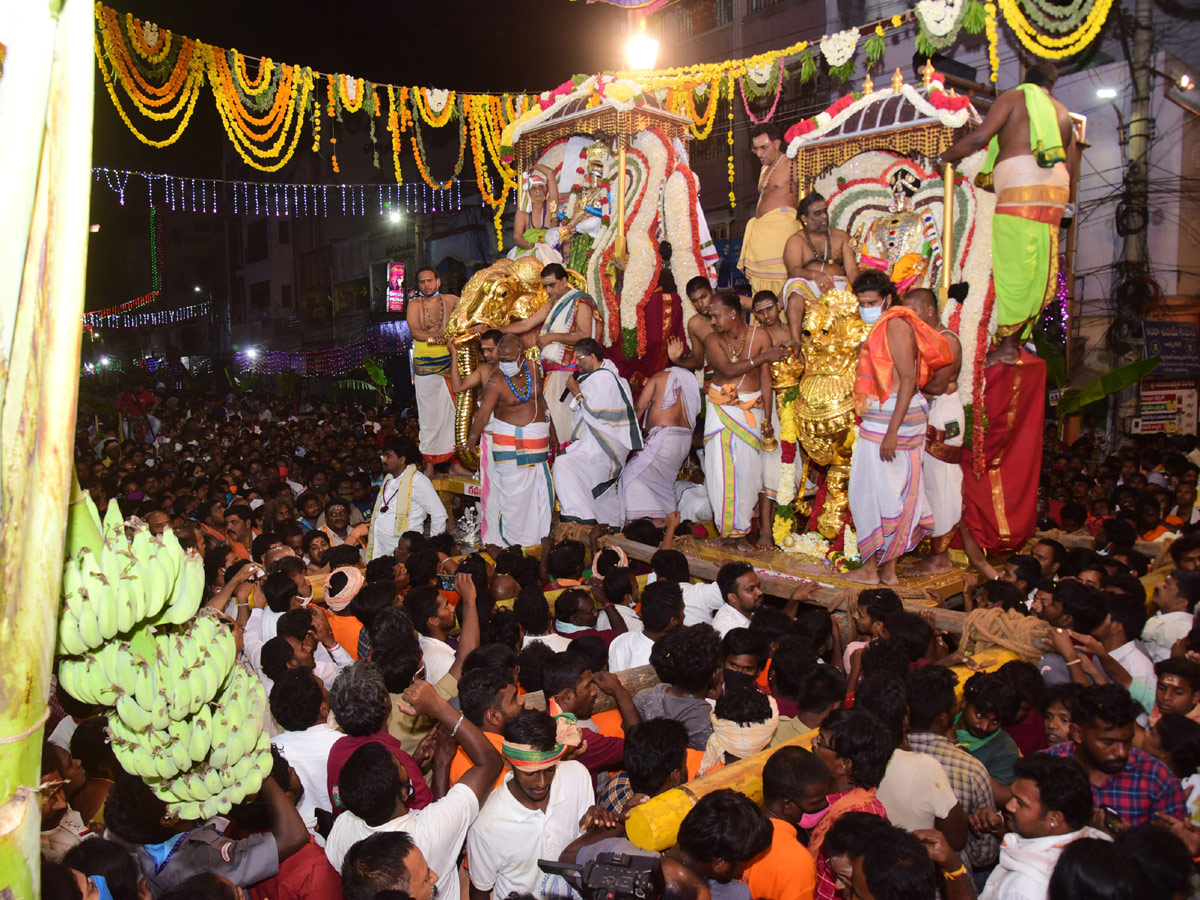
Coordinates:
774 219
489 342
516 491
427 316
604 433
818 259
766 310
405 501
890 510
941 469
668 405
700 292
1029 136
568 318
741 357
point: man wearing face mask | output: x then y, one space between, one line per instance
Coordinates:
427 317
517 493
891 512
604 433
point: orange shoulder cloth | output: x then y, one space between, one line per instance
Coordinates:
873 379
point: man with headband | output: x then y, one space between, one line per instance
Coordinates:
534 814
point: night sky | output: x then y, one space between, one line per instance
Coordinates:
471 45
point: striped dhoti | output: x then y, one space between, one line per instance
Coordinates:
518 494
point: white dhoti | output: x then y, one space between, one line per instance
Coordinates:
733 463
435 401
647 486
489 526
773 461
891 513
605 432
561 413
941 467
692 502
809 289
517 493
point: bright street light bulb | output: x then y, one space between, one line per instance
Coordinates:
641 51
1106 93
394 216
252 353
1185 82
104 360
196 288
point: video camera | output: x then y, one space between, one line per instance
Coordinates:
611 876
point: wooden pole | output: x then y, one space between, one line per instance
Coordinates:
831 598
947 233
47 101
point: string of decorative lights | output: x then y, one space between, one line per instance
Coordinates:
383 339
259 198
129 319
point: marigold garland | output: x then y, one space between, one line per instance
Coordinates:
418 148
702 125
420 98
397 124
993 39
261 81
153 55
1049 46
355 104
291 119
729 141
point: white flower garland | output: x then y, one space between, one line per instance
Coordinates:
760 74
838 48
809 544
850 544
679 223
642 248
940 16
826 123
437 99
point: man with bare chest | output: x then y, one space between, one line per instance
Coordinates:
818 259
741 357
666 408
774 219
700 292
515 476
766 311
941 462
427 316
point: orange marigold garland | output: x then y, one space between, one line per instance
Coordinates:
156 49
420 97
398 120
418 147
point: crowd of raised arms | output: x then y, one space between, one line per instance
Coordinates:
440 722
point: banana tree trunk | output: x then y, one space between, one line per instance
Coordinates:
46 96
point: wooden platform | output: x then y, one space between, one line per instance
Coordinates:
780 572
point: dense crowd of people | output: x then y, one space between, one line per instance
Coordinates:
437 725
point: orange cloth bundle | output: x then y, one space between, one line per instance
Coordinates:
873 379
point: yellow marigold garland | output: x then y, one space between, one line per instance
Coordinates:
1048 46
398 120
344 95
993 39
262 81
729 141
418 147
702 125
190 92
298 95
420 97
137 39
221 79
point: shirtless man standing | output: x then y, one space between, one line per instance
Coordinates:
517 478
774 219
1030 138
741 357
489 343
766 310
941 469
820 257
700 292
427 316
666 408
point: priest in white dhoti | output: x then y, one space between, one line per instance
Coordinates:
407 500
667 408
603 434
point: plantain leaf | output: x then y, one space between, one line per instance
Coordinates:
808 67
354 384
974 17
844 72
1107 384
875 47
375 372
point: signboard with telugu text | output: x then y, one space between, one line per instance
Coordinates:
395 287
1168 405
1176 344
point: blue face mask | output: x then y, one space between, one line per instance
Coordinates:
870 314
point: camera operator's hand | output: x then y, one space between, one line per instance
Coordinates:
598 817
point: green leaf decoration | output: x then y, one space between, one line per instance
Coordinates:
844 72
808 67
875 47
924 47
1108 383
375 372
354 384
629 343
974 17
1056 363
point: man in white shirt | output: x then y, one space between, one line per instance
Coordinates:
533 615
538 810
700 601
662 610
433 617
406 499
308 637
375 790
742 593
300 704
1176 598
621 593
1050 807
1118 634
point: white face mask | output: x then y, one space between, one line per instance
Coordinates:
870 314
510 368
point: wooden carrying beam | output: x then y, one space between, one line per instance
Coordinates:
831 598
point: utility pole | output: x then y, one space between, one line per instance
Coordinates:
1140 118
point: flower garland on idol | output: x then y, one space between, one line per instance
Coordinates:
785 495
644 264
682 227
